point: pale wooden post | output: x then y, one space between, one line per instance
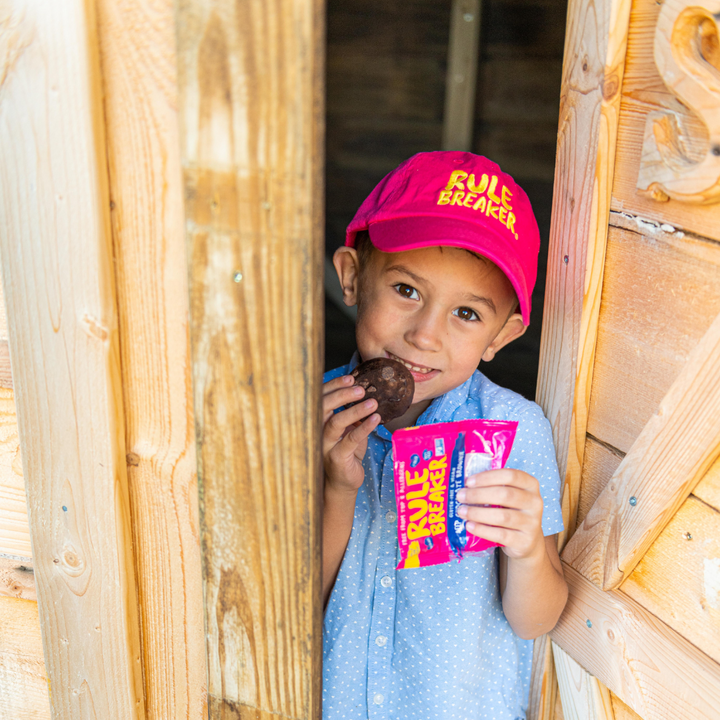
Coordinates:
463 51
56 257
139 69
593 66
251 108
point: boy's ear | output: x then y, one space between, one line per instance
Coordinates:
510 331
347 266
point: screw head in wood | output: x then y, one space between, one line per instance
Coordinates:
588 623
468 17
566 259
687 536
237 276
633 501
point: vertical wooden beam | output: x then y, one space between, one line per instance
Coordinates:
23 681
583 696
463 51
593 66
137 45
251 108
56 257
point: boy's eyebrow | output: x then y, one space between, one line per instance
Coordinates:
469 296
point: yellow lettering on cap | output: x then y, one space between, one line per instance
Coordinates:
456 179
503 215
479 189
511 223
491 192
457 197
469 199
491 210
506 195
444 198
480 204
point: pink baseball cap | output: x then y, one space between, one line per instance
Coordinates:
456 199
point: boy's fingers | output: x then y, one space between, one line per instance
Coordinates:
504 476
342 396
501 517
338 423
360 433
504 495
338 383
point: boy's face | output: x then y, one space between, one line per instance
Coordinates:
437 310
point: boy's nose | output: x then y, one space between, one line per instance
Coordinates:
425 332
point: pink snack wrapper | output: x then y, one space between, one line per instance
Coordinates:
430 466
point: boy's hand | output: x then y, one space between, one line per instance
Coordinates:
345 433
517 522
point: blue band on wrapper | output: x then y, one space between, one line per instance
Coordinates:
457 534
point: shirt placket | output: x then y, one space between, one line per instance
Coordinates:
382 624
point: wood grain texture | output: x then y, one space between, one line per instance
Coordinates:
17 579
672 454
543 682
708 489
56 257
658 673
5 371
678 579
595 44
644 93
250 112
583 696
592 79
621 710
661 293
599 465
137 44
14 525
463 51
23 681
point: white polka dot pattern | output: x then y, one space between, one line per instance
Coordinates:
447 652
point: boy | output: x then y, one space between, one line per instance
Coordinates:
441 260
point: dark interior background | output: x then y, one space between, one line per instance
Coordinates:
386 66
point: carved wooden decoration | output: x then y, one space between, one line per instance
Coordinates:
676 162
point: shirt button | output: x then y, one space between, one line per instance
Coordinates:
386 581
379 699
381 641
390 516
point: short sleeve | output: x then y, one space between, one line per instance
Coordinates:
534 453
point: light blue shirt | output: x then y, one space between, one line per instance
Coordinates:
430 643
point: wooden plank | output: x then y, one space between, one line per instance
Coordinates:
137 44
662 292
14 525
463 50
658 673
5 372
592 78
708 489
56 257
583 696
251 137
594 58
543 682
17 579
671 455
688 548
621 710
644 92
599 465
23 681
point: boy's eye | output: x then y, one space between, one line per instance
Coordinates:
465 313
407 291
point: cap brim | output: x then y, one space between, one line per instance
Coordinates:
418 231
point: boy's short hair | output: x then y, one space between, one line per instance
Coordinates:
454 199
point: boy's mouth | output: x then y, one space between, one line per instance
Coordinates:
420 372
